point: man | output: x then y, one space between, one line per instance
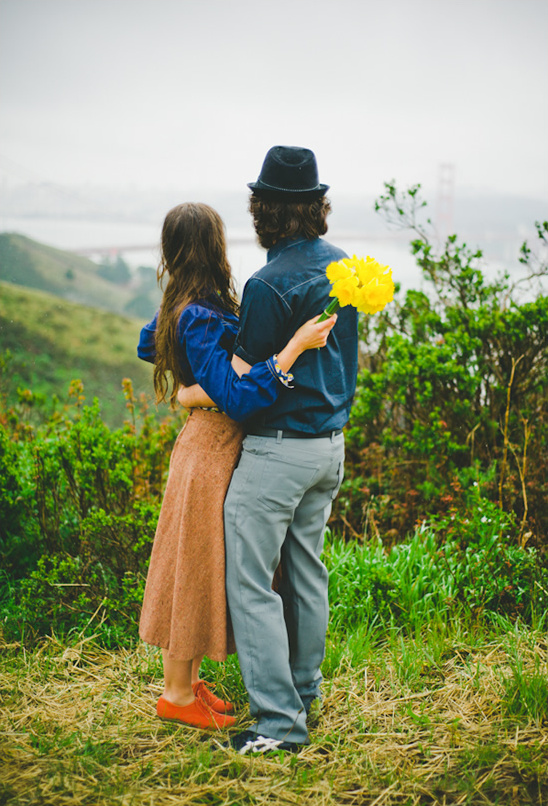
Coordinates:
291 465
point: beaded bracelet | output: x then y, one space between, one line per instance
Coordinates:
277 371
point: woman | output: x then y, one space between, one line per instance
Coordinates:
190 341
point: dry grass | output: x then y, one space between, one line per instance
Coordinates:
78 728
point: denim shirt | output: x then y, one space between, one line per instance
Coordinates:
205 335
277 300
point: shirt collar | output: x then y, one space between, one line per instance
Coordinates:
282 244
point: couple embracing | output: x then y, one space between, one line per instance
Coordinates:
259 461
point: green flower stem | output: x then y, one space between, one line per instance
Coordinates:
332 308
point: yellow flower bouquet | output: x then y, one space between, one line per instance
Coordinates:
363 283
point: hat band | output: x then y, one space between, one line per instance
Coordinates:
262 185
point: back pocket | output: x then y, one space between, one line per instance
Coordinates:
283 482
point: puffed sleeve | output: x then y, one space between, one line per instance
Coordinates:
146 349
201 333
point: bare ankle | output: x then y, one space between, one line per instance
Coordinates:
178 696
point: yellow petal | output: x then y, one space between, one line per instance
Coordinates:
369 269
338 271
345 290
376 294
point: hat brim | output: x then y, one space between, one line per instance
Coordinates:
268 190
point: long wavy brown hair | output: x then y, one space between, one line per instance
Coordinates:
195 265
276 218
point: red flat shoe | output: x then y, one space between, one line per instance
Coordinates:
196 714
201 690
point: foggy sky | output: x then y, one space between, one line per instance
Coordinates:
191 93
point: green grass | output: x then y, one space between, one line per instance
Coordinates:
422 720
526 689
422 705
53 341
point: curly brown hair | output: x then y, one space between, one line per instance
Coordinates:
195 264
275 218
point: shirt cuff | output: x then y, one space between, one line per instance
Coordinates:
284 377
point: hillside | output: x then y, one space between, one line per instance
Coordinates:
53 341
28 263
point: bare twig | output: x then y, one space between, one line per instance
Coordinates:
522 472
505 430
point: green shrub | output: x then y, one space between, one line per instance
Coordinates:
80 507
20 540
490 572
454 380
10 487
450 567
66 594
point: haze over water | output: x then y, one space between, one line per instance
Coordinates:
245 255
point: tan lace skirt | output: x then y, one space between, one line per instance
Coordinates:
184 607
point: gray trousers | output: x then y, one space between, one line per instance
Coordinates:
277 506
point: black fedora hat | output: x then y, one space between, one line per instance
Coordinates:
289 171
